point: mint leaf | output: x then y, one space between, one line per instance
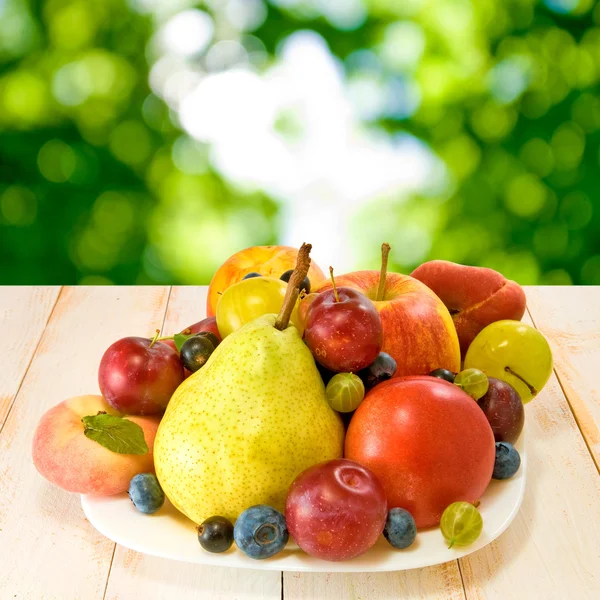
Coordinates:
115 433
180 339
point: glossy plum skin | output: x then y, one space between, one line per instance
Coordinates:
137 379
504 410
336 510
427 442
344 336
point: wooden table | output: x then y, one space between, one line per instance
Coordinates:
51 342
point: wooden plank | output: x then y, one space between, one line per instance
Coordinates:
569 317
24 312
432 583
138 575
552 549
48 548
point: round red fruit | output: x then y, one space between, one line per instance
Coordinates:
138 377
343 331
428 443
336 510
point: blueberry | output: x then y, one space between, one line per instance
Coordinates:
443 374
260 532
400 529
195 352
251 275
381 369
216 534
305 285
145 493
507 462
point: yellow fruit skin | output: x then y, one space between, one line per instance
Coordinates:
239 431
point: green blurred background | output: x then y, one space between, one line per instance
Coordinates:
145 141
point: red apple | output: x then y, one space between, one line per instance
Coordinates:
475 296
66 457
427 442
138 377
418 331
336 510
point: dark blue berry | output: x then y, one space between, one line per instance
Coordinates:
443 374
145 493
195 352
260 532
507 462
251 275
380 370
209 335
400 529
305 285
216 534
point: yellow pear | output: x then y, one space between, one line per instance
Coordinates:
238 431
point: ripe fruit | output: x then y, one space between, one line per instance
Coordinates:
507 462
475 296
380 370
248 300
138 377
400 529
443 374
195 352
266 260
461 524
417 328
66 457
260 532
473 382
504 410
336 510
216 534
343 330
514 352
427 442
146 494
345 392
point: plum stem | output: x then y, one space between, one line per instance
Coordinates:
532 390
385 250
293 287
155 338
335 292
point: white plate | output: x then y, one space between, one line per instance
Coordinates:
169 534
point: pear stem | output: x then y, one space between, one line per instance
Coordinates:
385 250
293 288
337 298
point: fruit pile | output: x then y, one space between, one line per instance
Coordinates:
330 412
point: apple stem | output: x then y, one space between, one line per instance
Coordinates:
335 293
293 288
532 390
385 250
155 338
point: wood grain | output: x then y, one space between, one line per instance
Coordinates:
552 548
433 583
24 312
569 317
139 575
48 548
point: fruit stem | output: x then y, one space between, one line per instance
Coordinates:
385 250
532 390
337 298
155 338
293 287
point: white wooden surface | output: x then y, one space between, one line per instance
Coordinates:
50 350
